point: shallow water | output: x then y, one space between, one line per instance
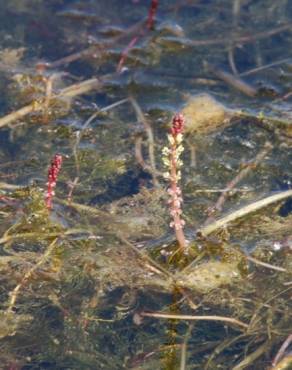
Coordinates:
77 280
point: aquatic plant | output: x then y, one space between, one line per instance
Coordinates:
53 173
172 161
149 25
71 284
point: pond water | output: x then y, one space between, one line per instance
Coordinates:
92 274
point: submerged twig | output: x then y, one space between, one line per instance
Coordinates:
191 317
183 357
40 235
243 173
266 66
149 132
220 348
248 360
265 264
68 92
139 156
235 18
234 81
14 294
284 364
282 350
242 39
155 266
206 230
93 49
87 124
264 304
6 186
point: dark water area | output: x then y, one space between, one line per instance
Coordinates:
93 273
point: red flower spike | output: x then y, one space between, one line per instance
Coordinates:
52 179
178 123
152 13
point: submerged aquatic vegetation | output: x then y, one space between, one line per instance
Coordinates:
172 162
95 281
53 173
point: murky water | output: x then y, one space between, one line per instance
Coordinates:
97 281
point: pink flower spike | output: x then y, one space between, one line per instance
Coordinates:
52 179
178 124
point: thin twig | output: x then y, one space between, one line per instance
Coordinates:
32 235
248 360
243 173
191 317
244 211
49 94
6 186
183 357
86 125
234 81
242 39
14 294
149 132
266 66
68 92
284 364
94 49
265 264
72 186
235 18
264 304
151 263
282 350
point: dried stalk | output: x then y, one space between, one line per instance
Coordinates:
284 364
282 350
183 357
14 294
149 132
242 212
191 317
94 49
242 39
265 264
234 81
38 235
6 186
68 92
248 360
243 173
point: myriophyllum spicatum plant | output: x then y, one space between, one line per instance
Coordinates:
172 162
53 173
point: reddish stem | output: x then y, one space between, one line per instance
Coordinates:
134 40
52 179
174 190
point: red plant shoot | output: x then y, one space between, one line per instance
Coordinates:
152 13
53 173
172 161
135 39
